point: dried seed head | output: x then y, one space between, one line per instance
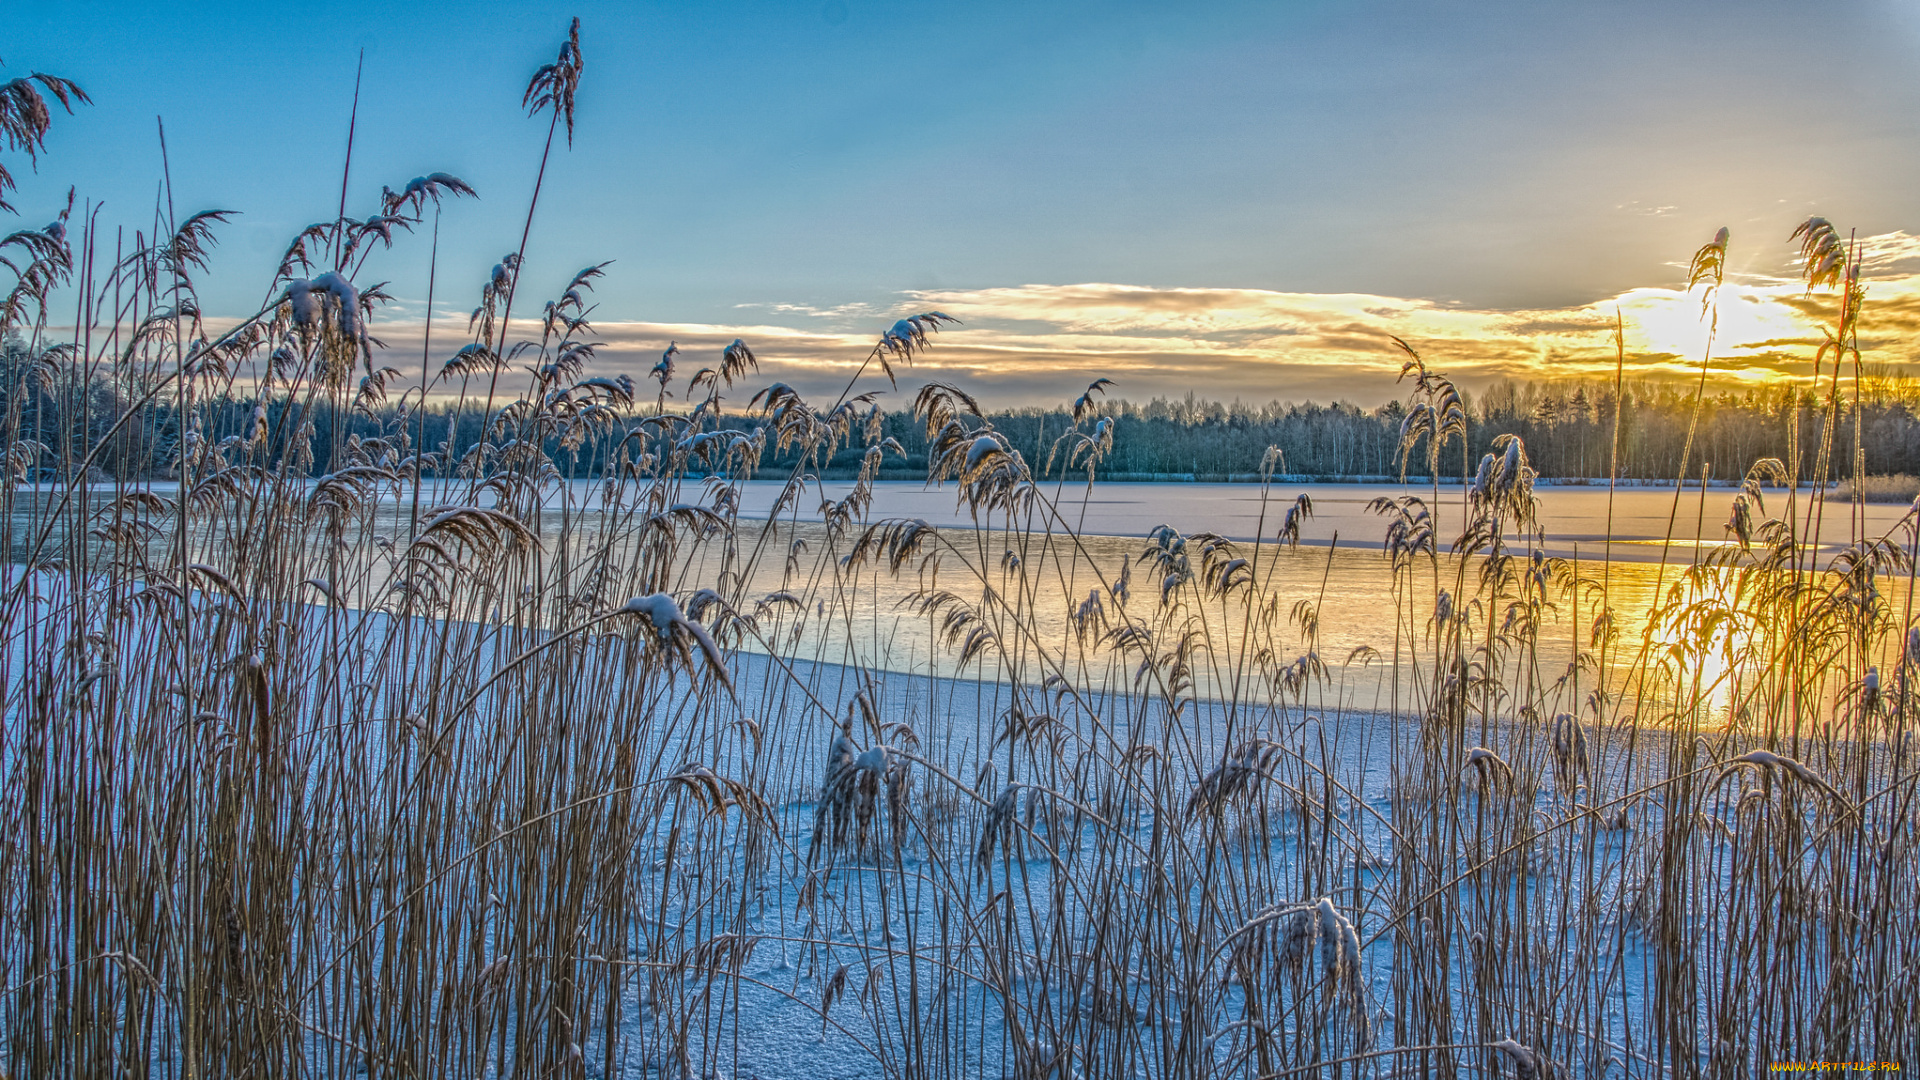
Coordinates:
1569 748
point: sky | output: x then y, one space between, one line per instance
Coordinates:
1238 200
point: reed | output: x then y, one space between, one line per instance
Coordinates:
439 764
1898 488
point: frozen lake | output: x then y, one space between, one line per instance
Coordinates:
1577 519
1339 567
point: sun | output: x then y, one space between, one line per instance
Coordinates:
1750 318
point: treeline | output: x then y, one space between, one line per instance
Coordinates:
1569 430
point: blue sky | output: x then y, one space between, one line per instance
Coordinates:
820 167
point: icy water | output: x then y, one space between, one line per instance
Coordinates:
860 615
1576 519
1339 570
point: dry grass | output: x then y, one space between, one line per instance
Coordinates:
435 766
1898 488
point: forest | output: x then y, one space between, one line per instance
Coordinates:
1568 427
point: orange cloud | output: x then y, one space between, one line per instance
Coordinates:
1041 344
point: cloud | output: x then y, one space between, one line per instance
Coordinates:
1889 250
1041 344
840 312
